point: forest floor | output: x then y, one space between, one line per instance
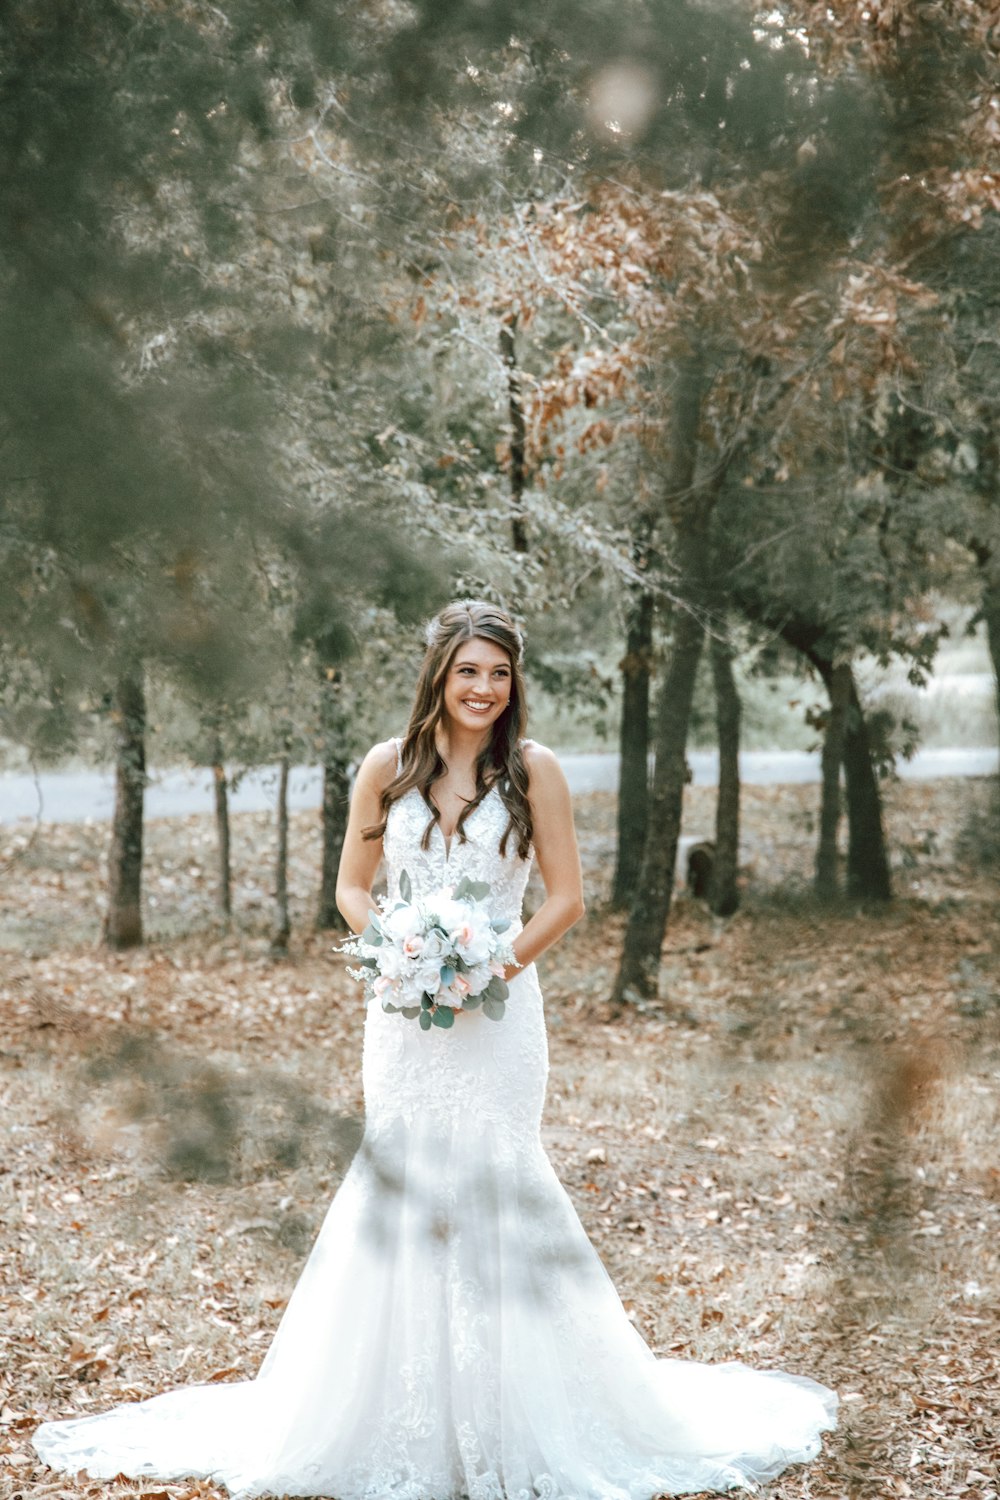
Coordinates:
793 1161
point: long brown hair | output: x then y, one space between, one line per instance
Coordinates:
500 763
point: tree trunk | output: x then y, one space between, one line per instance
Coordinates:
723 891
868 876
867 860
123 922
515 402
830 802
224 889
689 508
640 962
991 614
282 928
633 743
336 792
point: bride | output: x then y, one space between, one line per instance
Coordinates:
454 1335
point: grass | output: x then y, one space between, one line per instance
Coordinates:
791 1161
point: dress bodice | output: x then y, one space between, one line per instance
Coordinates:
444 863
483 1070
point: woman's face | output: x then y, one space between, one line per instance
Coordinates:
478 685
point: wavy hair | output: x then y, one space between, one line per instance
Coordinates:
500 763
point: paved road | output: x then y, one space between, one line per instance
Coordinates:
81 796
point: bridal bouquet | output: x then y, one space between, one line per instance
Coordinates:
430 957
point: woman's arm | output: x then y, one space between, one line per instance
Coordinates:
554 838
359 858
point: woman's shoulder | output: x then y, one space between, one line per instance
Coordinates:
540 762
381 762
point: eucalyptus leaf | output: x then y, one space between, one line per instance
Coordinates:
411 1011
387 1005
447 975
405 888
497 989
501 924
444 1016
471 1001
425 1001
425 1020
372 936
493 1008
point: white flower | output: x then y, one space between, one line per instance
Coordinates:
449 913
410 992
474 939
433 945
428 975
404 922
479 977
391 962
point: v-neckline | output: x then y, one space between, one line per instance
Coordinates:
448 840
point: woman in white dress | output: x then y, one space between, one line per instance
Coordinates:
454 1335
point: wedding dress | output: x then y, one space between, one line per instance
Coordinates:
453 1335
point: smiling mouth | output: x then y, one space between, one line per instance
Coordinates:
476 705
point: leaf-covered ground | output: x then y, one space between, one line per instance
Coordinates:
794 1161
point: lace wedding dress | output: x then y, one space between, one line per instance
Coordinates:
454 1335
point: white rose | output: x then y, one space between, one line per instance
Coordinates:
433 946
428 975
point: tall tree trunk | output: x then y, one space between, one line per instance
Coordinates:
515 402
690 510
832 760
723 891
282 924
336 791
224 887
123 922
991 614
867 861
868 875
633 744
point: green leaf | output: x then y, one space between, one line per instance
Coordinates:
497 989
493 1008
425 1020
426 1001
410 1011
372 936
388 1005
405 888
368 962
471 1001
447 975
501 924
444 1016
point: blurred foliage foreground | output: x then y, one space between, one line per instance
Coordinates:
789 1160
